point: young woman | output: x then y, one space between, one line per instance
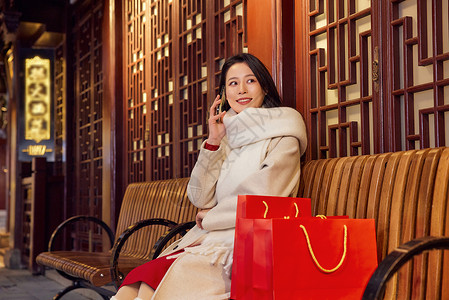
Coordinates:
254 147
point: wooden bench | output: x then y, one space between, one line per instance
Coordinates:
407 195
148 210
405 192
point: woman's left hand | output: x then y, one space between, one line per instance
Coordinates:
200 216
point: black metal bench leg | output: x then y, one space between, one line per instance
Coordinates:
76 285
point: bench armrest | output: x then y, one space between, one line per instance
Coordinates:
115 274
396 259
164 239
80 218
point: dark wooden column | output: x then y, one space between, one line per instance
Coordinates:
113 185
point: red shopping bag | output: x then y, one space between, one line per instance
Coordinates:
303 258
322 259
251 274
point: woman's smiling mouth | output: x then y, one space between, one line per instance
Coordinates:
243 101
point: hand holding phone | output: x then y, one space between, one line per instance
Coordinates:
222 102
217 129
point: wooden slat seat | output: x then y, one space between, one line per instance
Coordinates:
157 200
93 267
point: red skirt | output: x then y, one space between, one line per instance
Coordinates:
151 272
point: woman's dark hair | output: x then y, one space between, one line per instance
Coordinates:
272 98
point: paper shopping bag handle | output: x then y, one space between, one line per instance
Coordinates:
287 217
309 245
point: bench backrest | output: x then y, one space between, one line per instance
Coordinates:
166 199
407 195
405 192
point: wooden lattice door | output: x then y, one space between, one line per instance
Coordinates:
172 55
417 81
86 39
341 100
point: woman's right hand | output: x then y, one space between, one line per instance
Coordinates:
216 128
200 216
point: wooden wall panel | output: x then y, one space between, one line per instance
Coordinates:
417 105
340 89
60 105
135 87
88 117
376 78
192 78
161 108
172 57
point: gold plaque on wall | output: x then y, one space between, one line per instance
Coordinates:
37 99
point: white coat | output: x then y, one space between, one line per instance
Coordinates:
260 155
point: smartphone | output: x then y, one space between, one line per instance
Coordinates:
223 100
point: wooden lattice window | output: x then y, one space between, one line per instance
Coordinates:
418 55
88 98
171 64
199 70
161 108
378 77
60 106
340 105
135 89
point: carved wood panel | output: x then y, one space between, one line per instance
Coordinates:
161 107
60 105
172 60
378 77
136 51
193 74
88 83
198 66
340 104
418 57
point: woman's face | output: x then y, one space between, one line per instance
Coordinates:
242 88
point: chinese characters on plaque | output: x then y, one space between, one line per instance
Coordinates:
37 104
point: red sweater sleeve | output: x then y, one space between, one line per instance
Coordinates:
211 147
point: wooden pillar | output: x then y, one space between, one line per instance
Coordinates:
273 42
262 34
301 48
113 185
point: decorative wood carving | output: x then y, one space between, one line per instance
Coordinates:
172 61
378 79
418 98
60 106
340 87
88 97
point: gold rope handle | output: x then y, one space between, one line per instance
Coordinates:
313 254
321 216
266 210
